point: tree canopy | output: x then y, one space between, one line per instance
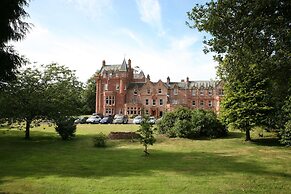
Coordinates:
89 96
12 28
252 42
51 93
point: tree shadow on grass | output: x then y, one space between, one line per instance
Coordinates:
234 135
273 142
50 156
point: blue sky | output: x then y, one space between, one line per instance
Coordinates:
152 33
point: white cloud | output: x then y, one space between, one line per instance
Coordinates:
150 13
92 8
183 43
86 55
133 36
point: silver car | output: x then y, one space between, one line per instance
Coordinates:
120 119
93 120
137 120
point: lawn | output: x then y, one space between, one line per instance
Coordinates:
46 164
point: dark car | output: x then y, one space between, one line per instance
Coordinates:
81 120
106 120
120 119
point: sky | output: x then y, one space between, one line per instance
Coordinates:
80 34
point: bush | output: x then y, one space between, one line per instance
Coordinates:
285 134
66 128
191 124
100 140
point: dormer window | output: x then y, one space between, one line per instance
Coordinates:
175 91
148 91
221 93
193 92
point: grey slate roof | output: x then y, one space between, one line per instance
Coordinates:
135 85
194 84
123 66
114 68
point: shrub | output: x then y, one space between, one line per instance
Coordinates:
66 127
100 140
206 124
285 134
164 125
191 124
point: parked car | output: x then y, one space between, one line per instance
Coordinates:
120 119
152 120
98 114
106 120
81 120
93 119
137 120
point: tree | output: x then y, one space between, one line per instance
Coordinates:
12 28
52 94
252 43
89 96
62 90
146 134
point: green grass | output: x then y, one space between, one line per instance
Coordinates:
46 164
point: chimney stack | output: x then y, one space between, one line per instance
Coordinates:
129 63
168 80
103 63
148 77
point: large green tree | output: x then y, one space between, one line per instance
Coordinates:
52 92
252 42
12 28
89 96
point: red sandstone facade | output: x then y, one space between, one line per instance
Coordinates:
121 89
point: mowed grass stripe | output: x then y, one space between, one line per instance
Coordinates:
46 164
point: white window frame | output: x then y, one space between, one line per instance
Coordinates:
210 103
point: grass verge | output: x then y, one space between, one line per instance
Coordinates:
46 164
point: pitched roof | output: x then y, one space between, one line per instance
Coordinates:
135 85
123 66
115 67
194 84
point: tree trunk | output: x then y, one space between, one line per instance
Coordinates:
27 128
248 135
146 149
